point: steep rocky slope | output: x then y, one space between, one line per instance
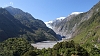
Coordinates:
88 32
65 27
69 27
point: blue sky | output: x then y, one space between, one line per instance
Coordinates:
47 10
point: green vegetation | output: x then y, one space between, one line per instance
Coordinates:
16 23
14 47
22 27
21 47
88 32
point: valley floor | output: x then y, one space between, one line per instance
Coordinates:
45 44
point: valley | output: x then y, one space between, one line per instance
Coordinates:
77 34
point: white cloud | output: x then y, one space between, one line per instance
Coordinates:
11 3
8 4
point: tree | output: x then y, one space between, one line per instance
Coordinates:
30 53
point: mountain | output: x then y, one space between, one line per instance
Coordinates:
83 28
88 32
57 20
16 23
9 26
63 26
67 27
48 24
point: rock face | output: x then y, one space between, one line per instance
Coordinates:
65 27
61 28
68 26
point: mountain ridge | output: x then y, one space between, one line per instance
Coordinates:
88 31
21 24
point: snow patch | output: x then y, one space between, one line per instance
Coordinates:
60 18
48 24
75 13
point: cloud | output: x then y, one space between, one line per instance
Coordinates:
11 3
8 4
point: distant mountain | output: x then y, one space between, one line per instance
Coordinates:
61 26
48 24
60 19
54 21
16 23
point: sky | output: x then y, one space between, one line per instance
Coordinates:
47 10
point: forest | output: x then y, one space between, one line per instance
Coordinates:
21 47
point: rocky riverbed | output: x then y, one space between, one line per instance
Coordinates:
45 44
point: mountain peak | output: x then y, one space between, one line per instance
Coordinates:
9 7
56 20
60 18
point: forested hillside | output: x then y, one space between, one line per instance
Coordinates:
21 47
22 24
